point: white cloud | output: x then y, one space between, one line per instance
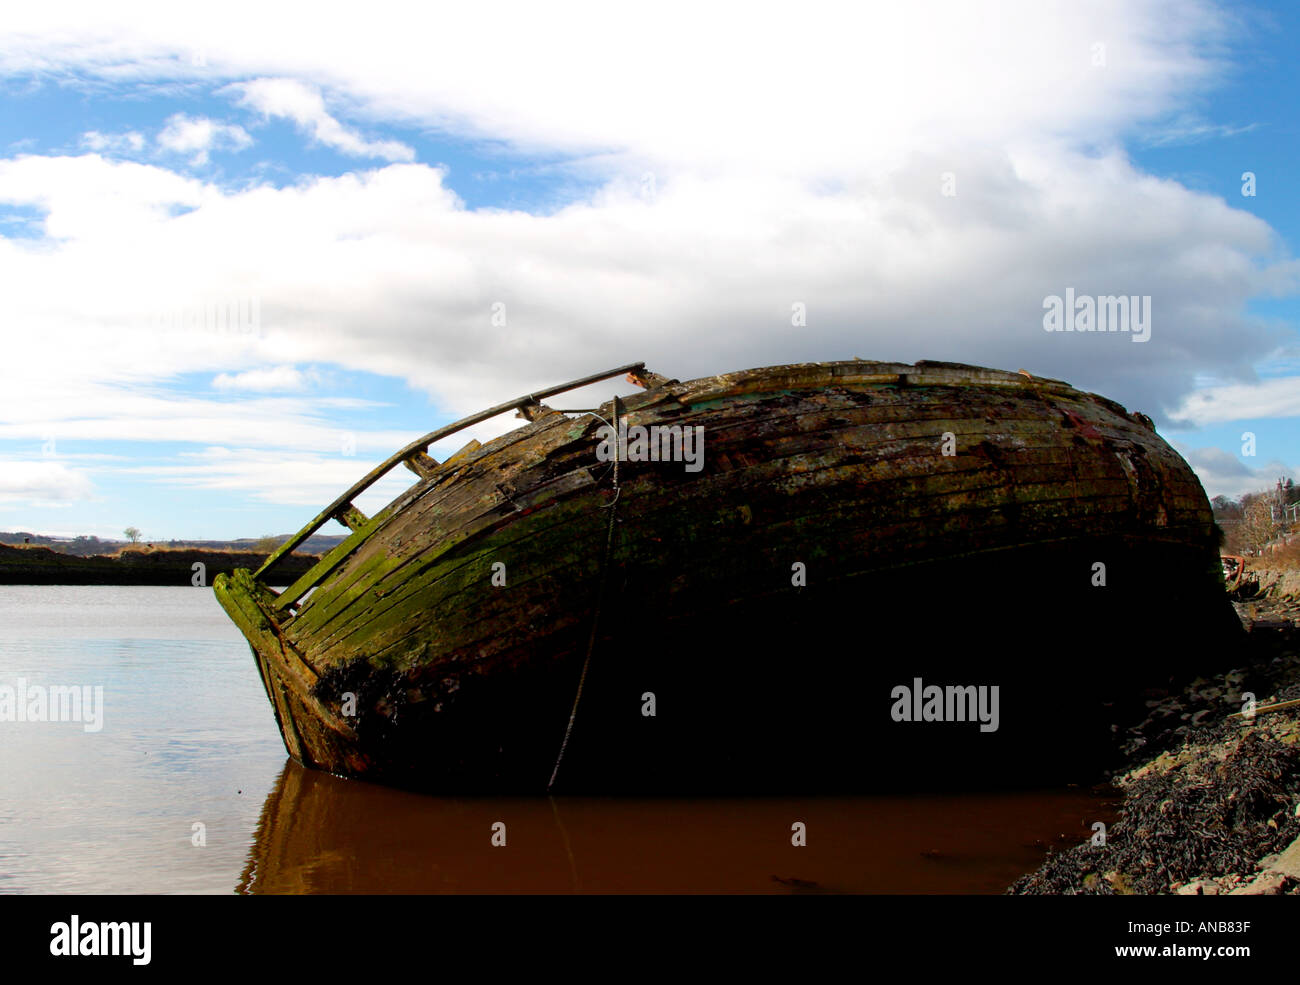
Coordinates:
292 478
278 378
198 136
84 197
1241 401
42 483
792 159
385 271
1223 474
131 141
86 411
819 88
303 104
1192 130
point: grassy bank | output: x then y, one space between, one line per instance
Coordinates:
41 566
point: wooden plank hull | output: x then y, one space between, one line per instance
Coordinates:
852 527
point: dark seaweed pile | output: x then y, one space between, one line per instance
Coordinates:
1227 801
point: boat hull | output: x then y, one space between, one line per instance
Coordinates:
855 528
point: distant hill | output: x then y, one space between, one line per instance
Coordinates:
91 546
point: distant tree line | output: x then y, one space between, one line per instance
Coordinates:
1255 520
80 546
84 546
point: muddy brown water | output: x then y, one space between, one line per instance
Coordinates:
320 833
182 786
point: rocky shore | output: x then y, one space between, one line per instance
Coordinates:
1211 802
41 566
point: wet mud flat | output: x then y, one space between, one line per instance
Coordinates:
1211 803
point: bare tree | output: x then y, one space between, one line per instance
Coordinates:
1257 527
132 534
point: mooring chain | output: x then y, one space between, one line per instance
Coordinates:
600 599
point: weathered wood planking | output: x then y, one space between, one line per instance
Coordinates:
833 464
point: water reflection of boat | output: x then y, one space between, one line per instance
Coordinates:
324 834
852 527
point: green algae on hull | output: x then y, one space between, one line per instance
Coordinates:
441 646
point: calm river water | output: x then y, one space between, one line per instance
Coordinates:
183 786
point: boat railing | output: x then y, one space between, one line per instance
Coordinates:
416 457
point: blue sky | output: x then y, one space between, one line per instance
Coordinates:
662 189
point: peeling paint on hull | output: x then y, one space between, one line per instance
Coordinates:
974 567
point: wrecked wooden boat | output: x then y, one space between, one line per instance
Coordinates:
723 584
